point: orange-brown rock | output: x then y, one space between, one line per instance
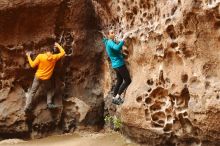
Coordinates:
174 60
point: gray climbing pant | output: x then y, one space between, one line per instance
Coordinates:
44 85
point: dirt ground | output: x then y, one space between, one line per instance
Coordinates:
76 139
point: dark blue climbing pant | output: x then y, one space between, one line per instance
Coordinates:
123 80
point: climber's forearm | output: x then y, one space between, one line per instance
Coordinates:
62 51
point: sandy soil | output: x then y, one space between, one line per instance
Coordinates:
76 139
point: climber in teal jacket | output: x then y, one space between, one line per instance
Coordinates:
117 61
114 52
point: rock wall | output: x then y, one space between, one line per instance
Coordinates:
173 57
30 26
172 54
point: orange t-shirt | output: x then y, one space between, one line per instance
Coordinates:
46 64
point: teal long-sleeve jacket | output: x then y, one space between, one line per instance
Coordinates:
114 52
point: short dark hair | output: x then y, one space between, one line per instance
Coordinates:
48 48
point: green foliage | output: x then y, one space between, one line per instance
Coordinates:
117 124
108 119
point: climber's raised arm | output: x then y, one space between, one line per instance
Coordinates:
62 51
32 63
115 46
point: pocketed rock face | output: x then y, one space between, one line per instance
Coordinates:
30 26
172 54
173 58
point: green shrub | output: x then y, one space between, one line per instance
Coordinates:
114 122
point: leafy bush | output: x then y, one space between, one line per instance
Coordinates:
114 122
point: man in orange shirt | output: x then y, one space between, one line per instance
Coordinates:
45 64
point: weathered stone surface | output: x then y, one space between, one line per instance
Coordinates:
173 57
75 112
12 116
9 4
172 53
29 26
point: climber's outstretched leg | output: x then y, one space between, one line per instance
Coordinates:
50 94
31 95
116 88
122 73
118 83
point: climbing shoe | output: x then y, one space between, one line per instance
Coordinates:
115 101
52 106
120 100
